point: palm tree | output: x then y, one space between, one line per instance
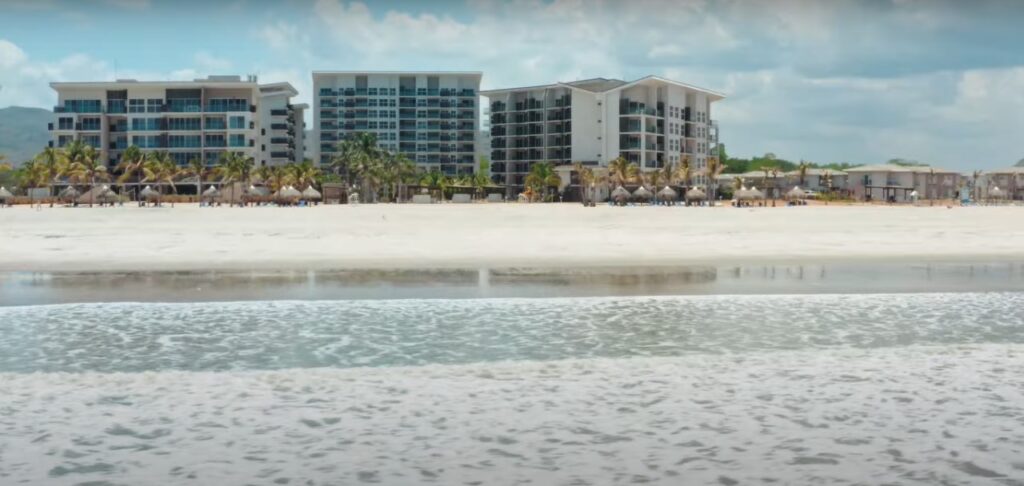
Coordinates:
775 184
542 178
130 167
435 181
802 172
405 173
586 178
303 174
231 168
33 175
279 177
53 160
85 166
712 170
160 169
359 159
622 172
197 168
974 186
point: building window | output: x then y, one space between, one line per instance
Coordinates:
237 122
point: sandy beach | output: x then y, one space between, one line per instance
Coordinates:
188 237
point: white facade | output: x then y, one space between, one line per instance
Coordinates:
199 119
282 136
651 121
431 117
897 183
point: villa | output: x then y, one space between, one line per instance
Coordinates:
1010 182
200 119
898 183
650 122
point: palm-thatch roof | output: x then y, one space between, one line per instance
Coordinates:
148 193
5 194
288 192
996 192
69 193
257 191
97 194
695 194
796 193
668 194
642 193
620 192
211 193
311 193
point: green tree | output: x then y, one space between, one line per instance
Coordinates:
232 168
131 167
542 178
85 166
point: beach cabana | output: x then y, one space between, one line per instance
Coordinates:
5 196
69 194
643 194
210 194
696 194
311 194
107 196
996 193
148 194
796 193
620 195
288 194
667 194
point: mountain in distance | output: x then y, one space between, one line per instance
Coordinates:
23 132
1020 163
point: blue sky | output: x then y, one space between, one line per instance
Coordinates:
940 81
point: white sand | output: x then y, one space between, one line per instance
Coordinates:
494 235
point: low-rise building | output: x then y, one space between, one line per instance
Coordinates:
898 183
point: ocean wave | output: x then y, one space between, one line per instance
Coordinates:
309 334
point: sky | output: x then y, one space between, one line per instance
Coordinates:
860 81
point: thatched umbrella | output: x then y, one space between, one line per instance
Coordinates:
311 194
755 193
742 194
996 193
668 194
149 194
69 194
695 194
257 191
106 195
5 195
620 194
211 193
288 193
643 193
796 193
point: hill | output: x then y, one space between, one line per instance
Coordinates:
23 132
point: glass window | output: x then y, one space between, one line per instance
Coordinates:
237 122
236 140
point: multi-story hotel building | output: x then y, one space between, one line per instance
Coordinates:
431 117
649 121
199 119
282 134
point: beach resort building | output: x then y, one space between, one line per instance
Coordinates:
898 183
431 117
199 119
282 135
818 180
650 122
1005 183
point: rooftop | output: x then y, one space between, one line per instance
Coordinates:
210 81
917 169
604 85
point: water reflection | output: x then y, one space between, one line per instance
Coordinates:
46 288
